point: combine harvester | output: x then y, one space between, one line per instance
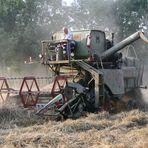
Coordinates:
100 74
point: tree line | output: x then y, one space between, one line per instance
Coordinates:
24 23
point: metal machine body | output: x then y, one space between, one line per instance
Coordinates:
101 67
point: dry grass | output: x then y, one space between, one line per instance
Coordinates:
22 130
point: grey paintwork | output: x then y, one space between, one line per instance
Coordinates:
97 44
119 80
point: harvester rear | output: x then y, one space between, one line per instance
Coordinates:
101 75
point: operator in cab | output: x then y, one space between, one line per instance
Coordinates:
67 34
68 50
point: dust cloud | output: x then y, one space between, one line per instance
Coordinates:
15 75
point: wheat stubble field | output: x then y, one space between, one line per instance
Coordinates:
19 129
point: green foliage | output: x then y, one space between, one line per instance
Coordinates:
130 15
92 14
24 23
7 45
9 9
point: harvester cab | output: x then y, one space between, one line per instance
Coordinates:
100 68
83 44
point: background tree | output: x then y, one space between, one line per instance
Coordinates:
95 14
24 23
131 15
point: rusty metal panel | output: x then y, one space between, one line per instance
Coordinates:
113 78
98 41
133 72
82 51
130 72
130 83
